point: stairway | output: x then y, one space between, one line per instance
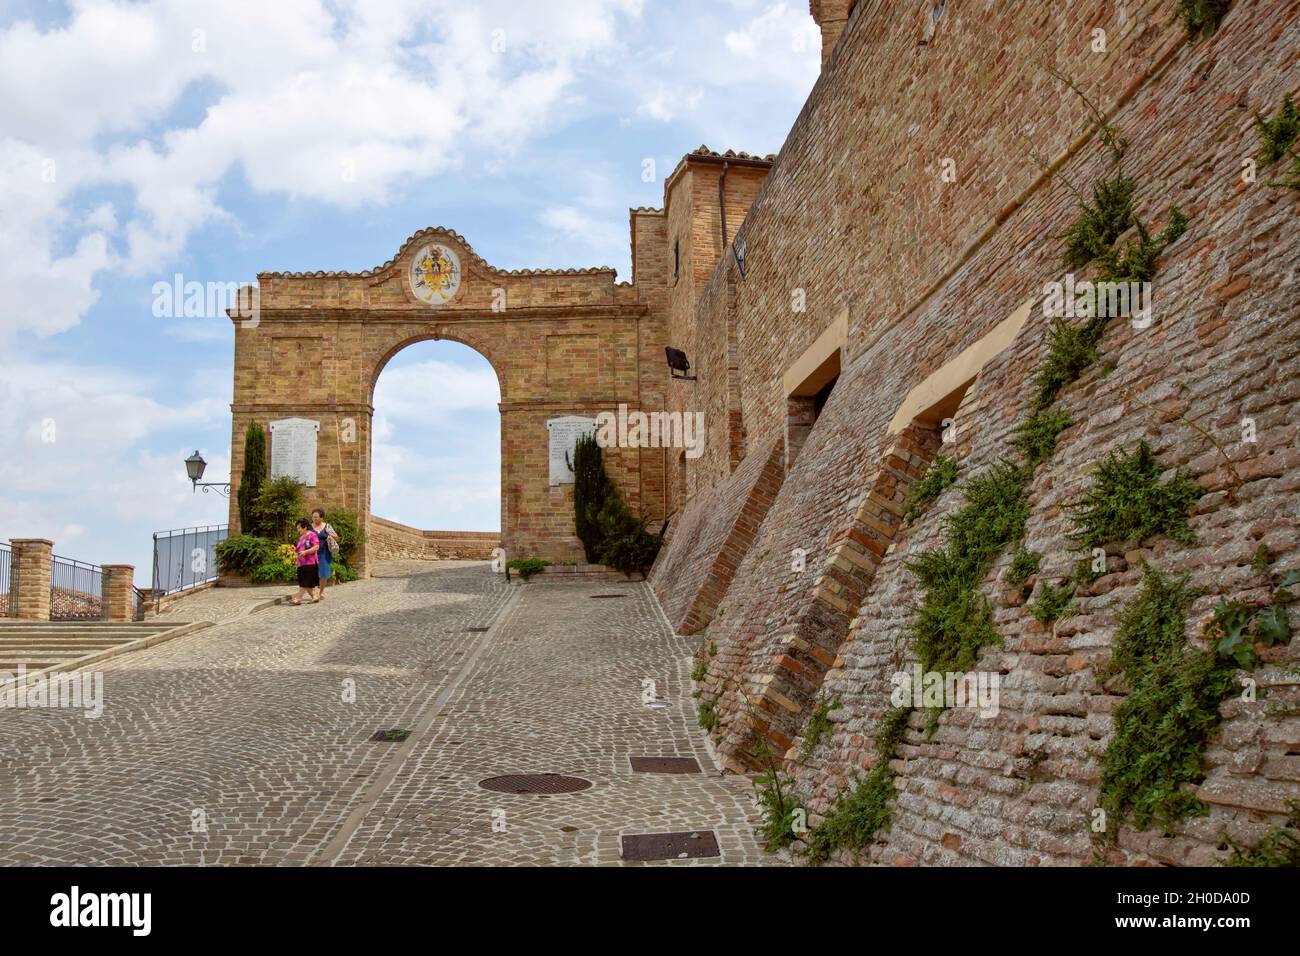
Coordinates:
70 644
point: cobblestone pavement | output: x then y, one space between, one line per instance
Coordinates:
236 745
221 604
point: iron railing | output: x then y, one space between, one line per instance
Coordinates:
76 590
8 603
185 557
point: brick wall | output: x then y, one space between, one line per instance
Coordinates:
390 539
566 343
856 213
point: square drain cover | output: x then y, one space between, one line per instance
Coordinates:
690 845
665 764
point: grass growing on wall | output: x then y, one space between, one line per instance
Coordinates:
776 800
1202 17
954 621
1053 603
1128 501
940 475
865 810
1280 847
819 726
1172 709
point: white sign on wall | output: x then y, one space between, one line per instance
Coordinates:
293 449
564 435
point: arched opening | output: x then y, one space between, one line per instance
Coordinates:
435 457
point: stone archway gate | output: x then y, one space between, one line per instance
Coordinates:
562 343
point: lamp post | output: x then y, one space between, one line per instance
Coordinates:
194 466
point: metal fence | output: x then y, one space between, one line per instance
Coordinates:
8 605
76 590
185 557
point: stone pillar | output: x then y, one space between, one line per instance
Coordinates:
119 592
29 587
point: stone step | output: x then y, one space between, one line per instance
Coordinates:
10 645
105 633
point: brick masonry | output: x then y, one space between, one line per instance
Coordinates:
856 223
565 343
855 214
389 539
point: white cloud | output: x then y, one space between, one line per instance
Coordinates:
431 390
338 103
73 469
665 103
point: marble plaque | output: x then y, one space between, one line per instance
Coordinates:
293 449
564 435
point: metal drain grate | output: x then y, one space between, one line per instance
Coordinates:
691 845
536 783
615 595
664 764
394 736
473 630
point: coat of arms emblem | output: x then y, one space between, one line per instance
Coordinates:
435 274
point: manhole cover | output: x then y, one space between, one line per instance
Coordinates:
670 846
664 764
535 783
390 736
607 595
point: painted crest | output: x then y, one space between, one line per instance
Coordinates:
435 274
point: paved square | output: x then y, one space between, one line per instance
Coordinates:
248 742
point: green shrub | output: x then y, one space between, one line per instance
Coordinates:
1100 222
819 725
1202 17
1036 435
279 505
254 476
700 670
1279 847
340 573
625 545
708 715
1070 350
351 536
273 572
778 806
242 553
941 473
1278 135
1053 603
866 809
527 567
1172 709
1024 565
1136 261
954 620
591 486
1128 502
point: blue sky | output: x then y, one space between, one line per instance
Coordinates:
215 140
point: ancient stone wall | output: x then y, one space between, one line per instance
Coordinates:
858 214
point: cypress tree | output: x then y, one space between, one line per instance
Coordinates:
590 489
250 485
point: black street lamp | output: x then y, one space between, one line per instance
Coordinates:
194 466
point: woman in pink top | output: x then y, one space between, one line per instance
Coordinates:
308 547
